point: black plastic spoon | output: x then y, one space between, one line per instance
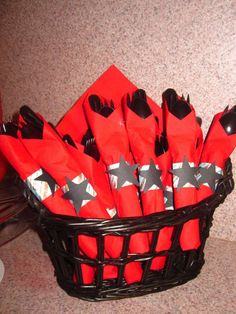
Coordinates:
228 121
140 93
30 117
139 104
33 128
171 97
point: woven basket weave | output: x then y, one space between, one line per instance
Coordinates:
60 234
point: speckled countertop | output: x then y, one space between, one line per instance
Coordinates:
52 51
29 286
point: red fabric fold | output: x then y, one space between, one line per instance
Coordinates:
217 148
182 135
61 166
142 136
28 170
112 141
112 84
132 271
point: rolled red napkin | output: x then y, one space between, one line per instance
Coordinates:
75 184
107 125
95 172
112 141
142 130
182 132
132 270
219 144
66 171
147 143
42 185
47 191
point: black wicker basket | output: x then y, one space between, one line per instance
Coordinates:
60 234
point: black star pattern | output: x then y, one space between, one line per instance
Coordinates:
45 177
186 174
77 193
125 172
152 176
209 176
168 195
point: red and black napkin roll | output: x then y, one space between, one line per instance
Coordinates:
182 131
142 129
218 146
47 191
108 128
75 183
40 182
107 125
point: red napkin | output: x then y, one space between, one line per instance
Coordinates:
182 135
131 271
142 133
95 172
112 85
96 208
48 192
219 144
68 175
112 141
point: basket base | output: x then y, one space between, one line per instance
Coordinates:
156 282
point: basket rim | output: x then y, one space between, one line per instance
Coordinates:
167 217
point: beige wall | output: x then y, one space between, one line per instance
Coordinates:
51 51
